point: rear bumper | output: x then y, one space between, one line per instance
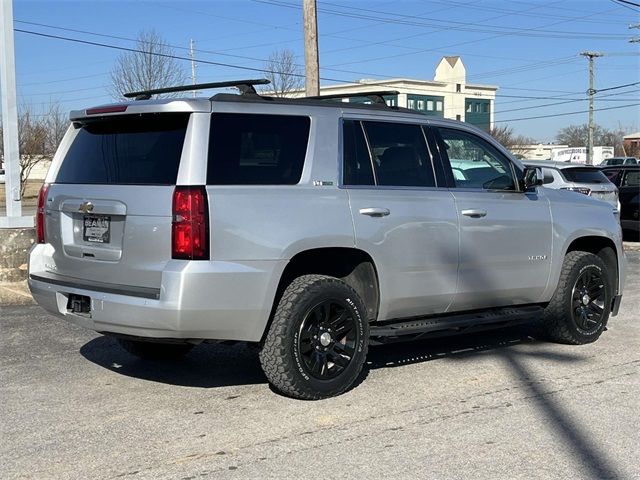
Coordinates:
197 300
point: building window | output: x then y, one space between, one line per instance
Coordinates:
469 107
458 88
458 117
427 104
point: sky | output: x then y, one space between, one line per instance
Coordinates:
529 49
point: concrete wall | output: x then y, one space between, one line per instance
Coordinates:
14 249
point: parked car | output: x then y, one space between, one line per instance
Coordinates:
584 179
1 175
619 161
627 179
311 228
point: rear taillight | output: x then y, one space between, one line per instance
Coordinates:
190 225
40 212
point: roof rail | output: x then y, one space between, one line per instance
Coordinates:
375 97
245 86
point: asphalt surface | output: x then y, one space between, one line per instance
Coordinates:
493 405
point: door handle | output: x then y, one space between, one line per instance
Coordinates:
375 211
474 213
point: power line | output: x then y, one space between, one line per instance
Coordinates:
616 87
566 113
175 57
625 3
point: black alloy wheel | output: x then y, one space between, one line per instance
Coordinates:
588 300
327 339
317 343
579 309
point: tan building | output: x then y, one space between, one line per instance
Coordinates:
447 95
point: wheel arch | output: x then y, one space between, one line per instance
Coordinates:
353 266
603 247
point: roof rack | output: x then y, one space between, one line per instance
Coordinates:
246 87
375 97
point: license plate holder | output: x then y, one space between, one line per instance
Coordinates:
96 228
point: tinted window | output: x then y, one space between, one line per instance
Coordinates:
476 163
257 149
632 179
400 155
612 175
357 162
127 149
584 175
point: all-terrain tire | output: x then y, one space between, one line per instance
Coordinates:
285 358
155 350
562 322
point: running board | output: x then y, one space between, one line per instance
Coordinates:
453 324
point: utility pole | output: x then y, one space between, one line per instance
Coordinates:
193 65
310 20
14 218
590 92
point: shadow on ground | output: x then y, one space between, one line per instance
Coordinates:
219 365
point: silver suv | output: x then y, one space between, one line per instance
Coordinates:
585 179
311 228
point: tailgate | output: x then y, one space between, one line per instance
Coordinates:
108 208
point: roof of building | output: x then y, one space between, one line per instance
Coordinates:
632 136
452 60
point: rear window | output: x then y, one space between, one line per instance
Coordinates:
250 149
126 150
584 175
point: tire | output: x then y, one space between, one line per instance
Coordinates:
580 307
317 342
155 350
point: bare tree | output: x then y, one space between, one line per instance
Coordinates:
578 136
56 122
283 72
32 141
506 136
151 67
39 135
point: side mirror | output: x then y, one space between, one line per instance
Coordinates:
532 178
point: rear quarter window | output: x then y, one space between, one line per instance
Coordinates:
584 175
252 149
126 150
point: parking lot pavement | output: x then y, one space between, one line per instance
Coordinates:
492 405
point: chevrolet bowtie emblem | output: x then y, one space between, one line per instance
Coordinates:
86 207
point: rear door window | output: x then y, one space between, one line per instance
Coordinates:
357 169
632 179
251 149
584 175
400 154
126 150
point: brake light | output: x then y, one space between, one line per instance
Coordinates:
111 109
190 225
40 212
